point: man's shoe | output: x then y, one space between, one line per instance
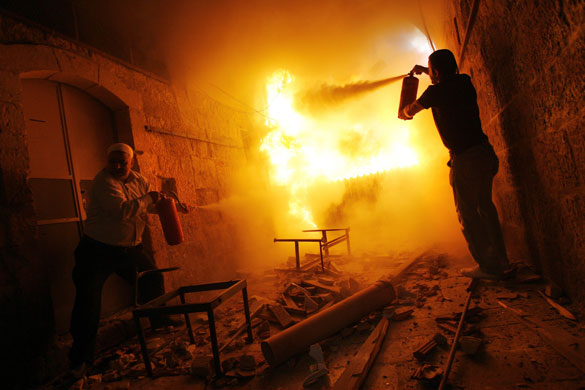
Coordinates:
510 272
477 273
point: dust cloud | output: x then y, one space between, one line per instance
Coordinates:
229 49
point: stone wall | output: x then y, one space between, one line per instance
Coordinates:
526 60
189 141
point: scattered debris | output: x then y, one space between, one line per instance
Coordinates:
326 281
388 311
310 305
255 309
327 305
317 370
247 366
427 373
202 366
564 343
507 295
552 290
330 288
562 311
295 339
449 322
228 364
264 330
402 314
284 319
247 362
421 353
78 385
97 378
448 327
357 371
470 345
527 275
401 292
470 291
111 376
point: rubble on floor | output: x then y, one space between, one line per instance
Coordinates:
421 324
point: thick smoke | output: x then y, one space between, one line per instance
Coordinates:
315 101
234 44
228 49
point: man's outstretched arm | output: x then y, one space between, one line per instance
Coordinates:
411 110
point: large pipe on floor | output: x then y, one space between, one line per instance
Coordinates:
296 339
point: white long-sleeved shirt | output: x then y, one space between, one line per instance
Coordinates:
116 213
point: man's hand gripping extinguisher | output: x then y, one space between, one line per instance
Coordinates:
408 93
169 218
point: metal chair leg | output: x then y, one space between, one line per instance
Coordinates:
250 337
214 345
143 347
188 321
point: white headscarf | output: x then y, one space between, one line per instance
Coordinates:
120 147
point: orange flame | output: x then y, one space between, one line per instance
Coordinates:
305 150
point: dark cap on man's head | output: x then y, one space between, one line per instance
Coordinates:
444 62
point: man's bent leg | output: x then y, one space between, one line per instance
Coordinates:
499 259
466 196
150 285
89 275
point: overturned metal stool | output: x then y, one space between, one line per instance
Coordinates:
159 306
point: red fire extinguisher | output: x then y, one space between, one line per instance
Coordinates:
409 91
169 219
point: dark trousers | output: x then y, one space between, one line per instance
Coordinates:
94 263
472 174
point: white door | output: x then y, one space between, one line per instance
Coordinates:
68 132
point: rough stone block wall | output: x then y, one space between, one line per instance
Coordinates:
187 139
526 60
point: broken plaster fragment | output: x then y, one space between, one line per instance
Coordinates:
470 345
97 378
318 370
326 281
247 363
110 376
201 366
428 372
228 364
402 314
316 353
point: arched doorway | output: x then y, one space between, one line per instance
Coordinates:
68 132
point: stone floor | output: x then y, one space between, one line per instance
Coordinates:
513 355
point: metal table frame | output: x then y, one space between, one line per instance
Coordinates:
157 307
338 240
297 254
324 245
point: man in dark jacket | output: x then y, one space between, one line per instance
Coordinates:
473 162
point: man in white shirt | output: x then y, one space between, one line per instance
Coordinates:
116 216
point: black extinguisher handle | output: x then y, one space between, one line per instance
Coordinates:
180 205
